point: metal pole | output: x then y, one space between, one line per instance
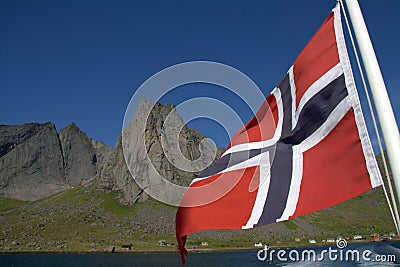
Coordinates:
389 128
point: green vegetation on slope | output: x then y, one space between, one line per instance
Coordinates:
365 215
10 203
82 219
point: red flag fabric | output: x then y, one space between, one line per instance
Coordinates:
306 149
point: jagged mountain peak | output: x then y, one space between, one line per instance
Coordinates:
31 162
36 161
13 135
72 126
78 153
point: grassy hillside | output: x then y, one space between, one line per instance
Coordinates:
81 219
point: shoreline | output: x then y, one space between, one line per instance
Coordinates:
191 250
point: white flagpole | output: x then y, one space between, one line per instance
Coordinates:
389 128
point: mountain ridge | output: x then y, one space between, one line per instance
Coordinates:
73 158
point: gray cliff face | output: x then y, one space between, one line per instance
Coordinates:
36 161
11 136
79 155
31 162
102 151
114 176
152 150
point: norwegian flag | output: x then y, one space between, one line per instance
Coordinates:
306 149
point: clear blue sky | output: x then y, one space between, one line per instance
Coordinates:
81 61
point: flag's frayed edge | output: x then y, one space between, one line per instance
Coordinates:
181 246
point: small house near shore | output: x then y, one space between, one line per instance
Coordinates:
126 247
162 243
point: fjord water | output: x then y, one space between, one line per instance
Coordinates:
233 258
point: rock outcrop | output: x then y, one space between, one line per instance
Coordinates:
114 176
31 161
36 161
155 144
80 157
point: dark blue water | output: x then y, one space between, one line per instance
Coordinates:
384 251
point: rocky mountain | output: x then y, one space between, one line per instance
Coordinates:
161 145
79 155
37 161
31 161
